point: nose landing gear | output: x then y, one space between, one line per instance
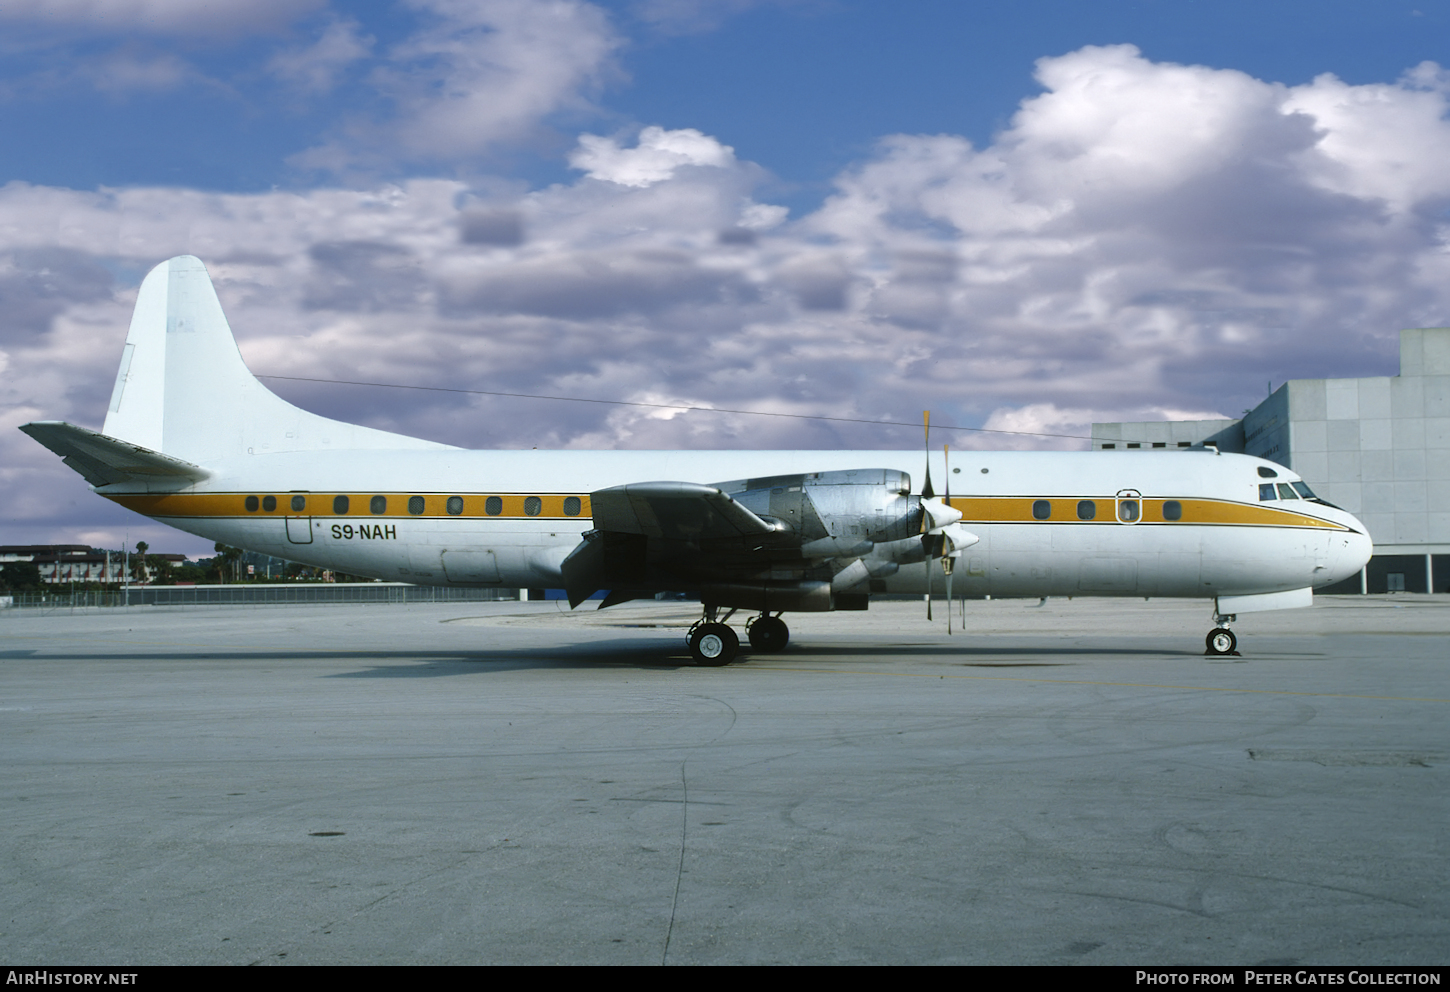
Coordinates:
1221 640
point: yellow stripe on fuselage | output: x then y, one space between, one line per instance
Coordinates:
1018 510
359 505
975 509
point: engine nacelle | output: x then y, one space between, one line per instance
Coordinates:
834 514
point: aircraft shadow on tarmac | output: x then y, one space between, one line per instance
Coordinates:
644 655
631 653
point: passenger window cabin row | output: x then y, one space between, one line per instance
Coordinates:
1129 510
341 505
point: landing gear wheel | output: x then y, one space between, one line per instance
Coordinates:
768 634
713 644
1221 641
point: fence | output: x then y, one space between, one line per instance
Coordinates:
256 594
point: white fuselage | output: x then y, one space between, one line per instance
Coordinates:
1226 541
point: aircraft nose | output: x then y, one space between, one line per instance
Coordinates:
1354 552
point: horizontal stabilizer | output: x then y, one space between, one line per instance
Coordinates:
103 460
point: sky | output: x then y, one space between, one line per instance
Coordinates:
1025 216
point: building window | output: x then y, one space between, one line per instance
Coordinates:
1135 444
415 505
1160 444
299 503
1185 444
1266 492
572 506
339 505
455 505
533 506
1394 582
493 506
378 504
1109 447
1041 510
252 504
1086 509
1172 510
269 503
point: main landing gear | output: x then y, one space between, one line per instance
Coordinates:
1221 640
712 642
768 634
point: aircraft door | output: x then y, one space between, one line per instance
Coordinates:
299 530
1129 505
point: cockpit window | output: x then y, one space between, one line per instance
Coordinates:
1303 490
1266 492
1267 473
1287 493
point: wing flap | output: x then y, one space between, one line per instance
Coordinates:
104 461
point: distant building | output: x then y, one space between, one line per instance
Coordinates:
1379 447
64 563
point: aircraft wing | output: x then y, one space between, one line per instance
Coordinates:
675 511
104 460
640 525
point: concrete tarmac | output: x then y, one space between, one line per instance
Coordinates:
508 783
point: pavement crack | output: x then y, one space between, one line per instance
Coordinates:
680 868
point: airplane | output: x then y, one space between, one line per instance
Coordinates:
193 440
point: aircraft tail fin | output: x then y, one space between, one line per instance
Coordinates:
183 389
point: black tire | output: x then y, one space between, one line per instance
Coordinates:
713 644
1221 641
769 635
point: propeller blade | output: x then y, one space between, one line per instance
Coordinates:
946 460
928 587
927 492
949 597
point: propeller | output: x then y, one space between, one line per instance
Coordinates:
941 534
927 493
949 561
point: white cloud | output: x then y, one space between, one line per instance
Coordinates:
315 68
656 156
485 73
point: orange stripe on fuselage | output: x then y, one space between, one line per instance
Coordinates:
359 505
975 509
